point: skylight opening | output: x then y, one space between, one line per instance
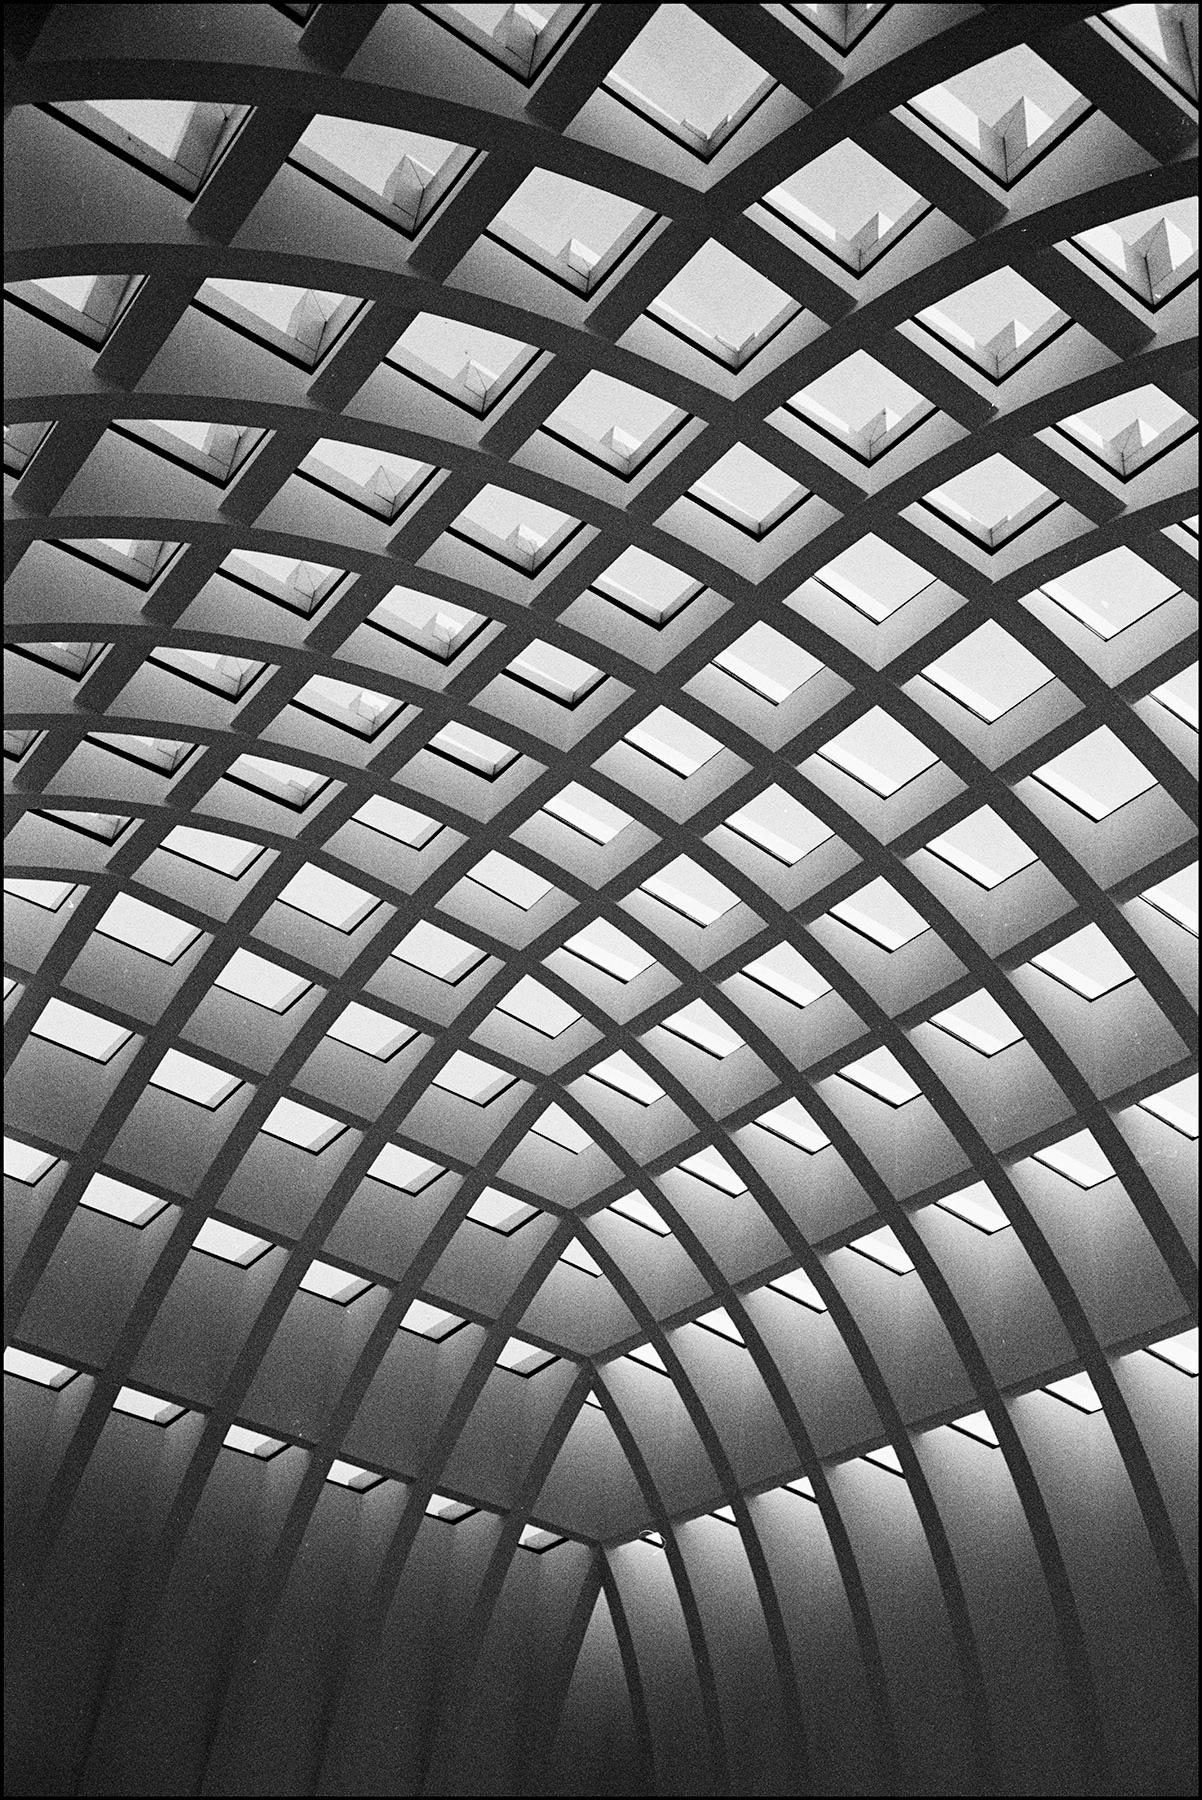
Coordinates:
1005 114
559 1128
300 324
230 1244
437 628
1079 1159
686 888
885 1458
1179 695
792 1122
217 451
879 753
401 823
132 1205
352 708
511 882
473 1079
524 1359
642 585
328 898
1130 431
49 895
576 234
984 848
292 787
377 481
1179 1351
402 1169
1077 1391
530 1003
562 677
749 492
230 676
400 176
1160 36
300 586
614 424
577 1257
786 973
862 406
538 1539
688 81
472 750
849 205
105 828
583 811
151 1407
640 1212
450 1512
1177 898
374 1033
195 1081
979 1022
1087 962
610 950
179 141
723 306
710 1166
21 444
1152 254
155 933
673 742
977 1207
698 1024
435 952
350 1475
521 38
874 578
24 1163
796 1285
650 1358
992 502
164 756
722 1325
472 366
997 323
252 1443
1176 1106
1097 775
879 912
263 983
40 1369
989 672
85 1033
500 1212
334 1284
976 1425
879 1073
772 666
432 1322
138 561
522 532
624 1075
86 307
302 1126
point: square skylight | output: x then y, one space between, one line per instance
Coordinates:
997 323
798 1286
1076 1390
558 1127
689 889
437 628
178 140
672 741
624 1075
881 1074
500 1212
330 1283
650 1359
147 928
451 1512
984 848
401 823
991 502
523 1358
652 590
784 971
1180 1350
1097 775
862 406
610 950
230 1244
711 1166
166 756
536 1006
300 586
328 898
772 666
1177 898
1079 1158
1004 114
87 306
848 204
988 672
435 952
1087 962
473 1079
473 366
1111 592
228 856
1176 1105
537 1538
132 1205
613 423
1180 695
347 705
562 677
25 1164
292 787
792 1122
1130 430
521 531
699 1024
41 1369
265 983
874 577
721 1324
151 1407
879 752
883 1247
1151 253
976 1206
587 813
511 882
372 1032
302 1126
49 895
779 825
687 80
401 175
84 1032
721 304
879 912
252 1443
576 233
976 1425
429 1321
350 1475
640 1212
472 750
748 491
979 1021
302 324
380 481
401 1168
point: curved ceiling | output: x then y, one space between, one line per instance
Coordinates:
600 927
